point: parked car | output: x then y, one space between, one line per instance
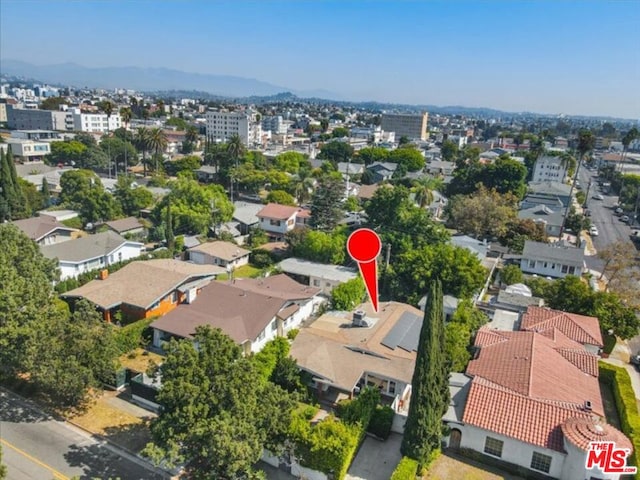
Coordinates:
635 360
593 231
598 196
618 211
624 218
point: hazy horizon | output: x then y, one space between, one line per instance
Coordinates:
576 58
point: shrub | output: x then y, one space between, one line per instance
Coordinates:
293 333
133 335
620 382
261 258
267 358
407 469
609 343
381 422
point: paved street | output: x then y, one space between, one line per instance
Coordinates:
36 446
610 228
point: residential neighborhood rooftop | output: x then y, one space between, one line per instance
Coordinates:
280 212
567 255
83 248
38 227
142 283
124 225
300 266
225 250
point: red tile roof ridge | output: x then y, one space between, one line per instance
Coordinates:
580 328
580 431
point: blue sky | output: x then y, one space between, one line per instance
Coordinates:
560 56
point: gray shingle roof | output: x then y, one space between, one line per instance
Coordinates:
555 253
84 248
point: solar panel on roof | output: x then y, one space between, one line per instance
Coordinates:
405 333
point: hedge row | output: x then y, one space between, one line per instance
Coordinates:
620 382
330 445
132 336
407 469
381 422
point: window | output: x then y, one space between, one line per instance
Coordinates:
392 387
174 297
532 264
316 283
540 462
493 446
545 264
274 326
565 269
274 222
261 337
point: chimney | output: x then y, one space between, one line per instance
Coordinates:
104 274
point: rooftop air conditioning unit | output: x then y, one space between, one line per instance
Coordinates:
359 319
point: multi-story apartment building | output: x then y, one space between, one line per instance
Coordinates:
221 126
33 119
94 122
549 169
274 124
406 125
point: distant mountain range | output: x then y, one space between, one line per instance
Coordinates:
150 79
176 83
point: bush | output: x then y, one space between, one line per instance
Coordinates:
620 382
261 258
348 295
267 358
609 343
133 335
511 274
407 469
293 333
381 421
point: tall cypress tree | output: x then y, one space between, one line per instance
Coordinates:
169 229
45 193
430 384
7 190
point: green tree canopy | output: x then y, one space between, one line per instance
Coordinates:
132 199
318 246
409 157
336 152
326 203
216 418
369 155
348 295
281 197
194 207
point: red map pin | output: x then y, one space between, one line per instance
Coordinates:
364 246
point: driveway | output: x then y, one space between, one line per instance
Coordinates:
376 460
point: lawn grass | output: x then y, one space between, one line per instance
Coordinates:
140 360
245 271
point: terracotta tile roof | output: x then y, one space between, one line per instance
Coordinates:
280 212
537 366
580 431
527 384
498 409
582 329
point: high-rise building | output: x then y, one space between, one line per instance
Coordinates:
274 124
406 125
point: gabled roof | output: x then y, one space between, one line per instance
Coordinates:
299 266
247 213
240 312
124 225
555 253
379 166
225 250
36 228
279 212
579 328
142 283
526 385
86 248
279 286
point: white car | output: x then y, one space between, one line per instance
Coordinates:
598 196
593 231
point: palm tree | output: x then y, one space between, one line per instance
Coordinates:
424 189
235 147
126 115
157 143
191 134
586 142
629 137
108 109
142 143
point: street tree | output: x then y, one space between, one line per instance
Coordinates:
336 152
216 419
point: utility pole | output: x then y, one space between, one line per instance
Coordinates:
388 256
586 197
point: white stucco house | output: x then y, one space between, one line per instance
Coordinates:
92 252
277 220
531 399
556 260
319 275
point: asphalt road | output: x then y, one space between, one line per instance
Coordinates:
610 228
36 446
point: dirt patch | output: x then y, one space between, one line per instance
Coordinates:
119 426
449 466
